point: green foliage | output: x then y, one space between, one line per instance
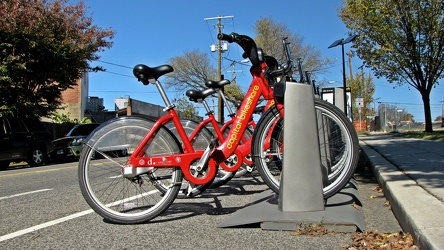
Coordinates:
234 93
186 107
45 47
64 118
362 85
401 40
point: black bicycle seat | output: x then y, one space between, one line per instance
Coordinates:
216 84
144 73
196 95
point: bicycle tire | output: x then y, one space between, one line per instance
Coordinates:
342 145
122 199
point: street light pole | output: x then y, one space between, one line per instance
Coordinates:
344 80
341 42
385 117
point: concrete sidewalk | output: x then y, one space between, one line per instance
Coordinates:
411 172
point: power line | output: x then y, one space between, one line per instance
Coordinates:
209 30
115 64
410 104
114 73
126 91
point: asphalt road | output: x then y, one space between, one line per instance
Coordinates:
42 208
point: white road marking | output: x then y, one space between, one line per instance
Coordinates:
31 192
44 225
69 217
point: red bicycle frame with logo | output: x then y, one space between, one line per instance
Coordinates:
258 87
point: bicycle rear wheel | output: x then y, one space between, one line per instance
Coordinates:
120 199
339 147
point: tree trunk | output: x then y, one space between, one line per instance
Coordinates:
427 113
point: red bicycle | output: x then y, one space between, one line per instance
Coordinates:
156 158
126 189
201 133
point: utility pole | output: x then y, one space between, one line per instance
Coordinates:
234 72
220 113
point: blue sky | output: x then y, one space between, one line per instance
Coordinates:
151 32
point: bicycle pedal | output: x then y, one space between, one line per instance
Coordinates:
189 191
249 168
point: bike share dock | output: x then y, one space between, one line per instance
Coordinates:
300 200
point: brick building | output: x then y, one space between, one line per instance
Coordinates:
75 99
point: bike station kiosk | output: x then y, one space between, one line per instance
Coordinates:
300 199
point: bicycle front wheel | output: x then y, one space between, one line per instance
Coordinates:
338 143
121 199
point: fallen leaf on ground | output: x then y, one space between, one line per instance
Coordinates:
373 240
312 230
377 189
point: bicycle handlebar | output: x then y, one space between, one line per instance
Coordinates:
247 44
255 54
285 68
225 37
289 66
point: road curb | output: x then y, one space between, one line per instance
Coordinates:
418 212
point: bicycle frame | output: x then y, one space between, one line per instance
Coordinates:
205 164
245 147
259 87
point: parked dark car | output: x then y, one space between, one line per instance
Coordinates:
69 147
23 139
